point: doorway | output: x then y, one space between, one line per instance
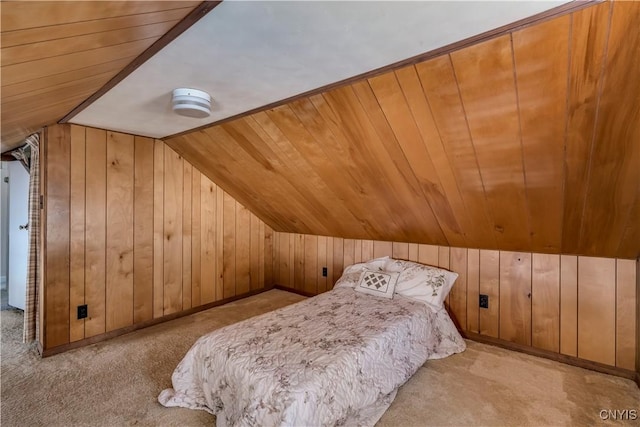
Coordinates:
15 236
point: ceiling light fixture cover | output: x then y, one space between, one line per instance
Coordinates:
191 103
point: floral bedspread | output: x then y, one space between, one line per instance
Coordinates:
335 359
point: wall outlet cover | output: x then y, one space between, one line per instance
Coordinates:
484 301
82 311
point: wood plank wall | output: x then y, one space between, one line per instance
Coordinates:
137 233
577 306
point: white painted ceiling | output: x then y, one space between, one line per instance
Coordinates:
250 54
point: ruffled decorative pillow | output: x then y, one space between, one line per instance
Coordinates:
421 282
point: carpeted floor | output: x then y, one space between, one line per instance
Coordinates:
115 383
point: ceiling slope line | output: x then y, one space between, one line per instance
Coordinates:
194 16
573 6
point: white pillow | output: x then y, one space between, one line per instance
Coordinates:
377 283
352 273
421 282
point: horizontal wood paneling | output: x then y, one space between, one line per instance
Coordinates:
108 194
56 54
575 306
526 142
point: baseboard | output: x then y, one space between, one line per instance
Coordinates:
46 352
295 291
563 358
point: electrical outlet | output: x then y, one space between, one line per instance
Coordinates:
484 301
82 311
324 272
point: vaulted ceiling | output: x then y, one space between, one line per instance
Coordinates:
528 140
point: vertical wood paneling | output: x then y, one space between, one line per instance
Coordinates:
515 297
309 282
357 251
413 252
625 313
115 195
330 262
276 256
158 229
243 250
367 250
266 264
57 257
256 247
208 232
219 245
229 252
143 230
428 254
490 285
77 224
196 237
458 294
338 259
298 260
381 249
120 188
400 250
532 296
349 252
473 290
597 309
292 260
283 260
187 240
95 231
443 262
321 263
569 305
443 257
545 302
173 245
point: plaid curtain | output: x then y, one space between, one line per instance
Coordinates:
31 320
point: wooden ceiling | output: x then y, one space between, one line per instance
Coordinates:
529 141
56 54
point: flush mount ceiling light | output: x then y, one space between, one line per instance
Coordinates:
191 103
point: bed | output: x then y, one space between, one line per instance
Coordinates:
334 359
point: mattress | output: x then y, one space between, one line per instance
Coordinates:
334 359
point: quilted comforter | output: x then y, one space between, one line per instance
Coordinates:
335 359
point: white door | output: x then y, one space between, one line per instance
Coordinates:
18 235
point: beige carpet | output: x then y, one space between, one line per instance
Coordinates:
116 382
